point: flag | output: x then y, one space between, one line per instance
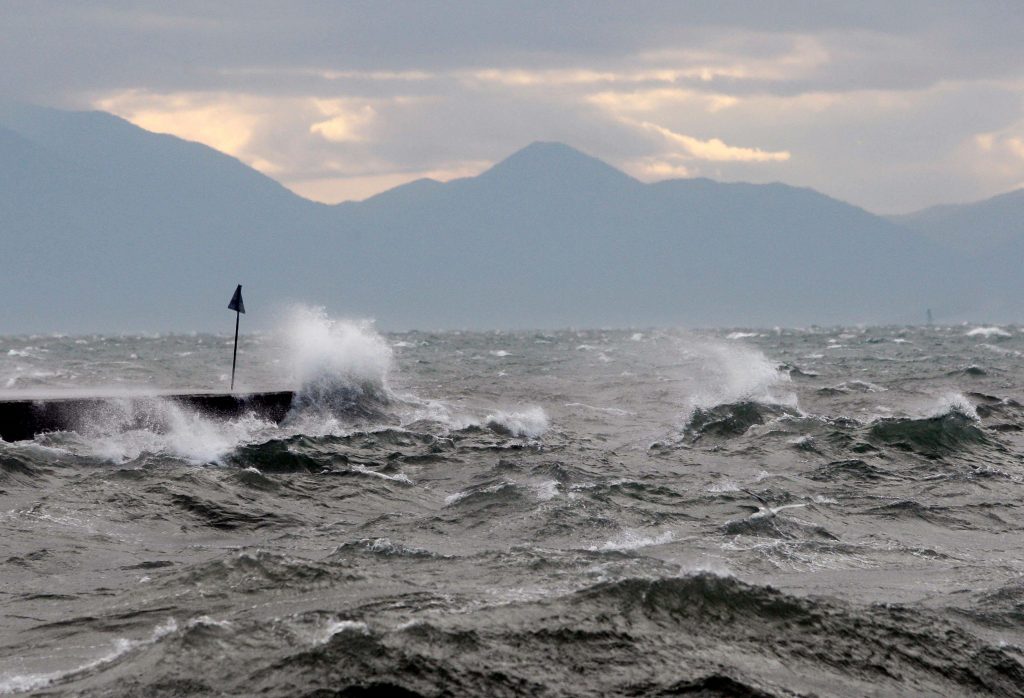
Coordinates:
236 301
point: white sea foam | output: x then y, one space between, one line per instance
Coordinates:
1000 350
455 497
857 386
334 627
22 683
125 428
608 410
529 422
329 355
805 440
633 540
723 486
954 402
400 477
988 332
546 490
733 373
207 621
459 496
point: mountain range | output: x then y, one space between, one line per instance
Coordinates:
107 227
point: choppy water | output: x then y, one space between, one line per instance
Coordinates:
829 512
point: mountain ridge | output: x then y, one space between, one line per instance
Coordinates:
979 228
548 237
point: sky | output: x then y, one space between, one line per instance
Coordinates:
893 106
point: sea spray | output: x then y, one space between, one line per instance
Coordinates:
528 422
340 367
727 374
954 403
123 429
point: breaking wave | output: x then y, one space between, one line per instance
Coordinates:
988 332
732 419
951 426
530 423
730 375
340 367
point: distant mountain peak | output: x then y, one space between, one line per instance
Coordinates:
550 160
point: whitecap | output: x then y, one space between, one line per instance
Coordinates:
400 477
988 332
633 540
529 422
21 683
334 627
546 490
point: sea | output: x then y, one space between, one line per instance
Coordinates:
653 512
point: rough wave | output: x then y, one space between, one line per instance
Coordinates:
732 419
952 427
736 388
988 332
731 373
341 369
530 423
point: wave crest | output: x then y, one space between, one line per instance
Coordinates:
341 367
732 419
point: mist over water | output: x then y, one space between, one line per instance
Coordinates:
829 512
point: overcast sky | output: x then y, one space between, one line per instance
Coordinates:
888 105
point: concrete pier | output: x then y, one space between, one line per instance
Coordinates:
24 418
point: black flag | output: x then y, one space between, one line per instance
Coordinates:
236 301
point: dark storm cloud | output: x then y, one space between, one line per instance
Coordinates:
52 48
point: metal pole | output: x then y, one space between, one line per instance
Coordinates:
234 357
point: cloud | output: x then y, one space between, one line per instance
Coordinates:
347 121
995 156
885 105
656 169
219 122
652 100
1006 143
714 149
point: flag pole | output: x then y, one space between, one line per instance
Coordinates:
234 355
238 306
